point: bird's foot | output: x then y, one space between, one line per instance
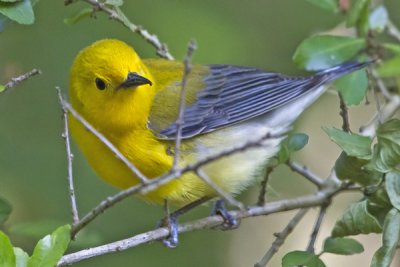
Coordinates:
229 222
171 222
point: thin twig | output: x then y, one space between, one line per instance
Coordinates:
225 195
159 181
264 184
392 30
180 121
16 80
306 173
70 156
210 222
104 140
317 226
380 83
116 14
344 114
281 237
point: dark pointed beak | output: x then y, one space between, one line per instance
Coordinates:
134 80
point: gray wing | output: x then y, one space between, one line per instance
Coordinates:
234 94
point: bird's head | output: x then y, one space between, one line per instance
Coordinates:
110 83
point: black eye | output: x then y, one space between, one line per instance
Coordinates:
100 84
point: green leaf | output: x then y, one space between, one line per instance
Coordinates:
355 170
378 19
21 257
353 144
114 2
330 5
395 48
387 150
391 236
324 51
353 87
356 12
297 141
378 200
356 220
301 258
49 249
5 210
20 12
294 142
390 67
81 14
392 184
7 256
2 87
342 246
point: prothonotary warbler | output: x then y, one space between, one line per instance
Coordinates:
134 103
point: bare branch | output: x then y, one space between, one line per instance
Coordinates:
70 156
393 31
116 14
225 195
344 114
281 237
157 182
264 184
16 80
317 226
206 223
180 121
306 173
104 140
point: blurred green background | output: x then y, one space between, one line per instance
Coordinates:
263 34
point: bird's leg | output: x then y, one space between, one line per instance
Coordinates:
171 221
229 221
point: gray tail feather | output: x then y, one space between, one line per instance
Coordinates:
342 69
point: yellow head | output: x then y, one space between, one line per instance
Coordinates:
110 86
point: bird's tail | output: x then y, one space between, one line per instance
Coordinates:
342 69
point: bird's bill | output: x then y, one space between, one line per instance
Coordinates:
134 80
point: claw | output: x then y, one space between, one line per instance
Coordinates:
229 222
172 223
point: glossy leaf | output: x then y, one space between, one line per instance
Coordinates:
50 249
391 237
294 142
20 12
353 87
324 51
5 210
387 150
21 257
7 256
392 184
356 170
357 220
301 258
353 144
342 246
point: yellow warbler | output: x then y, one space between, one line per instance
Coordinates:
135 104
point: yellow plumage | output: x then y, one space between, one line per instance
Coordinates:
138 118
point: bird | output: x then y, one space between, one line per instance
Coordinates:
135 104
